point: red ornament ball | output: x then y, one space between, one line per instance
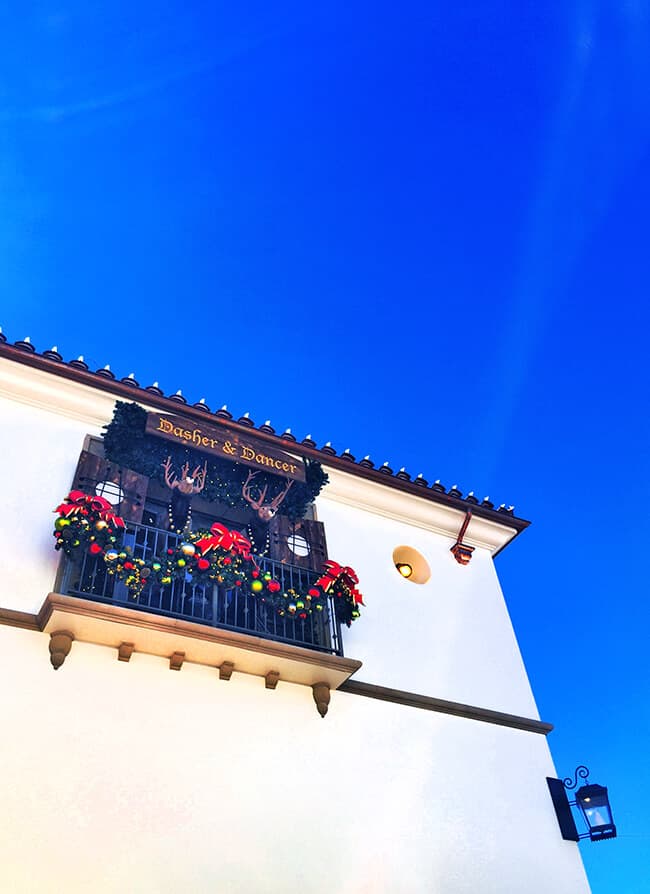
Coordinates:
129 566
94 549
170 552
202 564
302 615
314 593
227 561
273 586
255 573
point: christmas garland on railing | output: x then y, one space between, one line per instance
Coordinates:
127 444
87 523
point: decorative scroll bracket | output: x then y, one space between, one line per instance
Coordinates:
461 552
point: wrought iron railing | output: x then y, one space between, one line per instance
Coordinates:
231 609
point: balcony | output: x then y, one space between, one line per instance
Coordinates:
209 605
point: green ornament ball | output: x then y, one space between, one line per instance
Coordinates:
61 523
156 566
257 586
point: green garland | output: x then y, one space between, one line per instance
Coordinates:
126 444
86 524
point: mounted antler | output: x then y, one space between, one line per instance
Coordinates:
167 466
187 484
183 489
265 511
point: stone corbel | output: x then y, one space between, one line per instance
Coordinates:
60 645
321 697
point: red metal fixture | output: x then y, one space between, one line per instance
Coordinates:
462 552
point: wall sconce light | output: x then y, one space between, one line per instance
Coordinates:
404 568
592 802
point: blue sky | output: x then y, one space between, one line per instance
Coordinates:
418 232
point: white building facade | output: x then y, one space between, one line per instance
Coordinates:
170 754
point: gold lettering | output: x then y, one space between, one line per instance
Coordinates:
247 453
293 468
204 441
229 449
285 467
164 425
213 443
177 431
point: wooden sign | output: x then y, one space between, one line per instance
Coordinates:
226 444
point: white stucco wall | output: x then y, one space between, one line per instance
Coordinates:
132 777
39 453
451 637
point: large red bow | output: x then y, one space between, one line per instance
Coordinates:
223 538
79 503
342 576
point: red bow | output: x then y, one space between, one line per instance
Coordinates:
224 538
78 503
342 576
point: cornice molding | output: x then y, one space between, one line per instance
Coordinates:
442 706
414 510
56 387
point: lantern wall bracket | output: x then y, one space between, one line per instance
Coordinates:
591 802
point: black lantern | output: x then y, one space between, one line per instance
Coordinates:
591 800
593 803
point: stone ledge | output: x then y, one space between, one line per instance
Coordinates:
115 625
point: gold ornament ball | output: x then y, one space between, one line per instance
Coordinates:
257 586
100 525
188 549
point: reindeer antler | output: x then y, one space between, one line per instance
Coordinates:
276 501
266 511
246 492
167 466
199 476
